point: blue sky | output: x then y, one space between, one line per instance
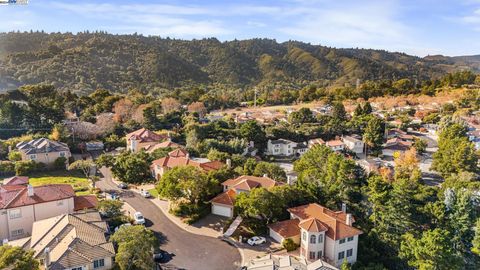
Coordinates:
419 27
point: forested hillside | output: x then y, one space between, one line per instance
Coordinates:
84 62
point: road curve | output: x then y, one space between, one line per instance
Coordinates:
188 251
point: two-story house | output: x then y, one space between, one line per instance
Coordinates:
354 144
321 233
283 147
70 241
336 145
224 203
22 205
43 150
143 139
180 157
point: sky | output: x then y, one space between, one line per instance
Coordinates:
418 27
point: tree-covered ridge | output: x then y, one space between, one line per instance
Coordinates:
84 62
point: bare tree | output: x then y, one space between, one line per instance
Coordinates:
105 123
123 109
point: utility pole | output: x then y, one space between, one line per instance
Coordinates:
255 97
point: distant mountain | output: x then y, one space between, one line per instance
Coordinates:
86 61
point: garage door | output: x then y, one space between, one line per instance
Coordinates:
221 210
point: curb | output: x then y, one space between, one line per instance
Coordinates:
240 250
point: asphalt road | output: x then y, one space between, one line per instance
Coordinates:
186 250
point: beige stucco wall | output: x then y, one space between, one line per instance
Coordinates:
3 225
47 159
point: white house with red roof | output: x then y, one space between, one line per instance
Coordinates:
143 139
223 204
21 205
321 233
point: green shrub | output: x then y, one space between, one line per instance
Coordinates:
59 163
289 245
7 167
191 212
25 167
14 156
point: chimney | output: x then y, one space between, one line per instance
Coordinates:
349 220
229 163
265 175
344 207
46 253
187 156
30 191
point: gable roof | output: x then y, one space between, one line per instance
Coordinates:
247 182
335 221
18 196
178 153
334 143
172 162
16 180
73 240
313 225
42 145
84 202
145 135
162 145
286 228
226 198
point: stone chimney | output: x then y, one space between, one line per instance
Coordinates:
229 163
344 207
349 220
30 191
46 253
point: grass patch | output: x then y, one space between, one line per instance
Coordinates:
76 179
153 192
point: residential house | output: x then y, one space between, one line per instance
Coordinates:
166 144
70 241
21 205
336 145
43 150
398 133
321 233
314 142
223 204
180 157
395 145
283 147
354 144
250 150
143 138
287 262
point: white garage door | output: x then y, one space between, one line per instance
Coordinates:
221 210
277 237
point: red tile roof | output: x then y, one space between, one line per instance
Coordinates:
287 228
165 144
178 153
16 180
84 202
47 193
246 182
334 221
226 198
334 143
172 162
145 135
313 225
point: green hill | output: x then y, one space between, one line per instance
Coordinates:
84 62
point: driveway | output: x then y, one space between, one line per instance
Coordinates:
188 251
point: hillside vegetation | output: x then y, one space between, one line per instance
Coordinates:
84 62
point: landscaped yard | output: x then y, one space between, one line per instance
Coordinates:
153 192
79 182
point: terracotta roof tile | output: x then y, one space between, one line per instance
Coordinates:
16 180
226 198
287 228
84 202
172 162
265 182
313 225
145 135
46 193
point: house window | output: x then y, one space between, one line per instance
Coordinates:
17 232
33 157
349 239
304 236
342 241
312 239
77 268
312 255
349 252
15 213
62 154
320 254
98 263
320 238
341 255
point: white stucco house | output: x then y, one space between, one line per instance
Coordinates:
354 144
283 147
322 234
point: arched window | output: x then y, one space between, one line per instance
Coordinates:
312 239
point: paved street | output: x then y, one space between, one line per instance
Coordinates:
188 251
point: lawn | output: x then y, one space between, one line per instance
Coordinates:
79 182
154 192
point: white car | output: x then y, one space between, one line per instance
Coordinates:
139 219
145 194
256 240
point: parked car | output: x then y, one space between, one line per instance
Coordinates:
122 225
139 219
122 185
256 240
145 194
160 256
114 196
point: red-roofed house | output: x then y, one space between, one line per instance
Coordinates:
223 204
22 205
143 138
320 232
180 157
